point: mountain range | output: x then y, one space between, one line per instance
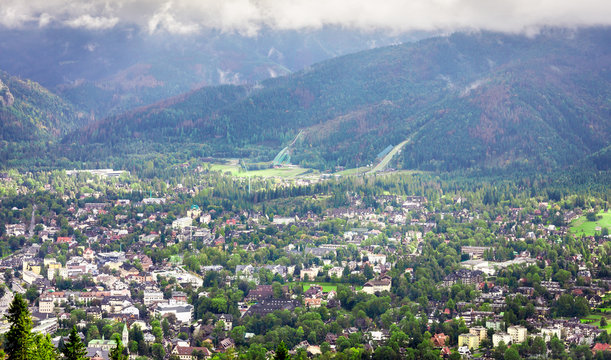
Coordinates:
467 100
109 72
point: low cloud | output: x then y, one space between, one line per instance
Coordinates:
249 16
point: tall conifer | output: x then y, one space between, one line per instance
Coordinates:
19 337
117 352
74 348
43 349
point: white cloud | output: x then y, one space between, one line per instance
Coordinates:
92 23
249 16
44 19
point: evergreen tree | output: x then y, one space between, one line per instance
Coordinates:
282 352
74 349
19 337
61 345
43 349
117 352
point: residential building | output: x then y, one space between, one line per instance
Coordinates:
479 331
518 333
501 336
379 285
46 306
439 340
227 319
310 273
187 352
469 340
182 223
495 325
312 302
152 296
102 344
549 332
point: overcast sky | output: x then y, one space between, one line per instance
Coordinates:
248 16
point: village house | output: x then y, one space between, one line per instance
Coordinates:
190 353
379 285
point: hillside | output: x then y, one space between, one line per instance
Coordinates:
29 112
467 100
112 71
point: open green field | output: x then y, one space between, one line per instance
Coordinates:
235 169
581 225
594 319
354 171
278 172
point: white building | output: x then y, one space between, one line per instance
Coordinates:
30 277
151 297
183 312
494 325
46 306
278 220
312 273
518 333
46 326
501 336
377 258
548 333
130 310
182 223
373 286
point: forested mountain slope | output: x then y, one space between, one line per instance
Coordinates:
115 70
29 112
466 100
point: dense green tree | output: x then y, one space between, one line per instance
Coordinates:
282 352
74 349
557 348
43 349
158 351
117 352
499 351
18 338
512 354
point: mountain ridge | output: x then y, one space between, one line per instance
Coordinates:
485 99
30 112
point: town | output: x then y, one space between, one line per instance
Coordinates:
212 266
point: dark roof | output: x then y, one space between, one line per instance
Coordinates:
267 306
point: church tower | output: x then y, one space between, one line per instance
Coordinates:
125 336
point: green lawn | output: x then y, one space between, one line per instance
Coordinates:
233 169
279 172
594 319
354 171
581 225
